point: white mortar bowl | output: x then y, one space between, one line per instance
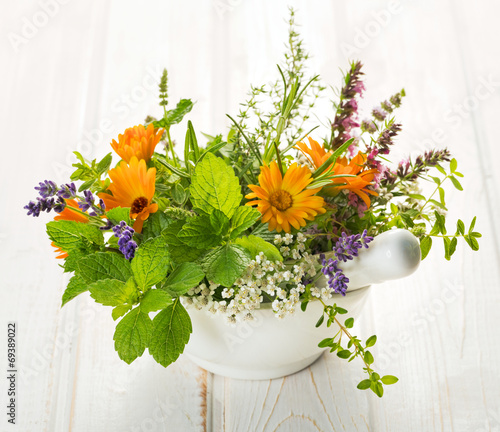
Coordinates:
268 347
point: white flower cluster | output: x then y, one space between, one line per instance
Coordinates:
278 281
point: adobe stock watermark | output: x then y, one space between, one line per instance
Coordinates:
223 6
364 35
420 322
237 335
158 417
121 107
30 26
461 111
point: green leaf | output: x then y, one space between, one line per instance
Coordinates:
438 204
472 224
70 234
119 214
179 195
365 384
155 300
320 321
104 164
179 251
215 186
460 227
151 262
344 354
389 379
441 169
377 388
340 310
325 342
119 311
446 242
254 245
441 196
416 196
456 183
171 330
372 340
177 114
226 264
199 233
132 335
453 246
75 287
86 185
183 278
368 357
104 265
243 218
112 292
425 246
155 224
349 322
441 221
219 222
263 232
453 167
192 142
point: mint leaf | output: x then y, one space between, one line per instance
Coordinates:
119 214
254 245
226 264
177 114
183 278
132 335
243 218
155 224
154 300
151 262
104 265
119 311
76 286
179 251
70 234
263 232
219 222
215 187
171 330
112 292
198 232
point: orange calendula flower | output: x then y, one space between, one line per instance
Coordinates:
70 215
317 155
137 141
284 201
133 186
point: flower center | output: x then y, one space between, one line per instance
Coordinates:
139 205
281 199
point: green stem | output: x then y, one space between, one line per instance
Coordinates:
171 145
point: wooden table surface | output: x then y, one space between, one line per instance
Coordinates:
76 73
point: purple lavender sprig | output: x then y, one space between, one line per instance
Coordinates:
89 203
346 248
125 235
45 204
51 197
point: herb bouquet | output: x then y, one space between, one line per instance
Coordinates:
242 223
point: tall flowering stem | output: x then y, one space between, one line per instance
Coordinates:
346 117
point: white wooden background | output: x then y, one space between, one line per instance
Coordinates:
77 73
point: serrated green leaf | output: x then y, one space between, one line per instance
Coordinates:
176 115
119 214
155 224
456 183
199 233
263 232
254 245
69 234
154 300
226 264
113 292
104 265
244 217
171 330
215 187
365 384
183 278
151 262
219 222
119 311
425 246
75 287
179 251
372 340
132 335
389 379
